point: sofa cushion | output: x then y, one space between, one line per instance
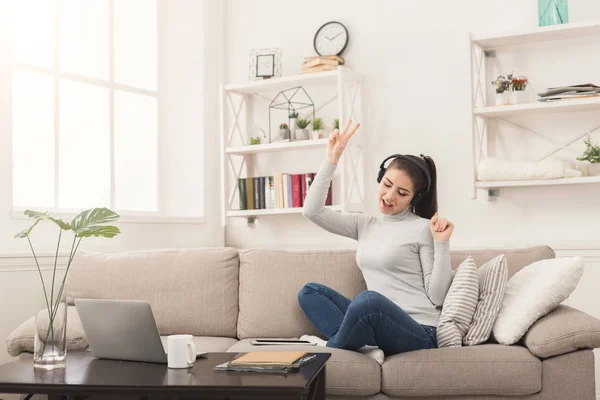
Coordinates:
488 369
21 339
191 291
492 285
459 305
561 331
271 279
347 372
516 259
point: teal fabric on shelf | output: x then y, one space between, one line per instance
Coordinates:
553 12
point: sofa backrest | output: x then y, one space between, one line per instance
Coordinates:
271 279
192 291
516 259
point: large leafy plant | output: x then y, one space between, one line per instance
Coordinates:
92 222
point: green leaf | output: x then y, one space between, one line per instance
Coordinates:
46 215
107 231
93 222
40 216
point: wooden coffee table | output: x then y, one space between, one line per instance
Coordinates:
85 376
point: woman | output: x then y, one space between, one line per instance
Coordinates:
403 255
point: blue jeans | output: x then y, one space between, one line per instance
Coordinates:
369 319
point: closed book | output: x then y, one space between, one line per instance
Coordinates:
290 198
250 193
320 61
271 192
242 192
261 182
302 189
296 190
328 200
337 58
267 193
256 193
268 358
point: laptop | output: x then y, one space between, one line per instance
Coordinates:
122 330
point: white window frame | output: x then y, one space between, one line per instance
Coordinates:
58 75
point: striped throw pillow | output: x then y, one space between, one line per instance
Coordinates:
459 305
493 276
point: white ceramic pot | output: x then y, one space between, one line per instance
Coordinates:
501 99
302 134
593 169
284 134
518 97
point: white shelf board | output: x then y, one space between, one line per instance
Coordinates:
287 82
270 211
534 107
280 146
539 182
539 35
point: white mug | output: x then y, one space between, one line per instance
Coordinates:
181 351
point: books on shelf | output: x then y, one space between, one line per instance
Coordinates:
281 190
321 63
570 92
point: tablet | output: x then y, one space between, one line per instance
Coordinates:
264 342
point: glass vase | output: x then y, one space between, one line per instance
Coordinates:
553 12
50 338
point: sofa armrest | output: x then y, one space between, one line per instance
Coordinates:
21 339
561 331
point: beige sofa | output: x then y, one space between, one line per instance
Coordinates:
225 297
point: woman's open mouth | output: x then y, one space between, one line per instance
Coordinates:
385 205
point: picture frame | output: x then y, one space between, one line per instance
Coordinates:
264 63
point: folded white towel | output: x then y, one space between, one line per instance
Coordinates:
492 169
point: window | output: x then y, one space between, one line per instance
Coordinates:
85 105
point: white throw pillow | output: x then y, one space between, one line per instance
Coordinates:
533 292
459 305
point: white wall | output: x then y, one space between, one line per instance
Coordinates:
190 81
414 57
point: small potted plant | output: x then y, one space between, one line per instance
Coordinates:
317 125
592 155
302 132
284 131
502 85
517 90
336 124
254 140
293 117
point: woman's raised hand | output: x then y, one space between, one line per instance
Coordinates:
338 140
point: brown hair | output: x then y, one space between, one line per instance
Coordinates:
427 206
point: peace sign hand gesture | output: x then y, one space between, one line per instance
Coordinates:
337 142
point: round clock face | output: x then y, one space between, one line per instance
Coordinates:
331 39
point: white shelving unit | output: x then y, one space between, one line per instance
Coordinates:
345 88
485 46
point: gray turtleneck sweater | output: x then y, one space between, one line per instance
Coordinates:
396 253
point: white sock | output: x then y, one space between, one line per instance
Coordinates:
314 339
373 351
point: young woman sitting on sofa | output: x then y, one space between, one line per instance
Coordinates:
403 255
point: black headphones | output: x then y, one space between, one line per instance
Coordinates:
415 161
